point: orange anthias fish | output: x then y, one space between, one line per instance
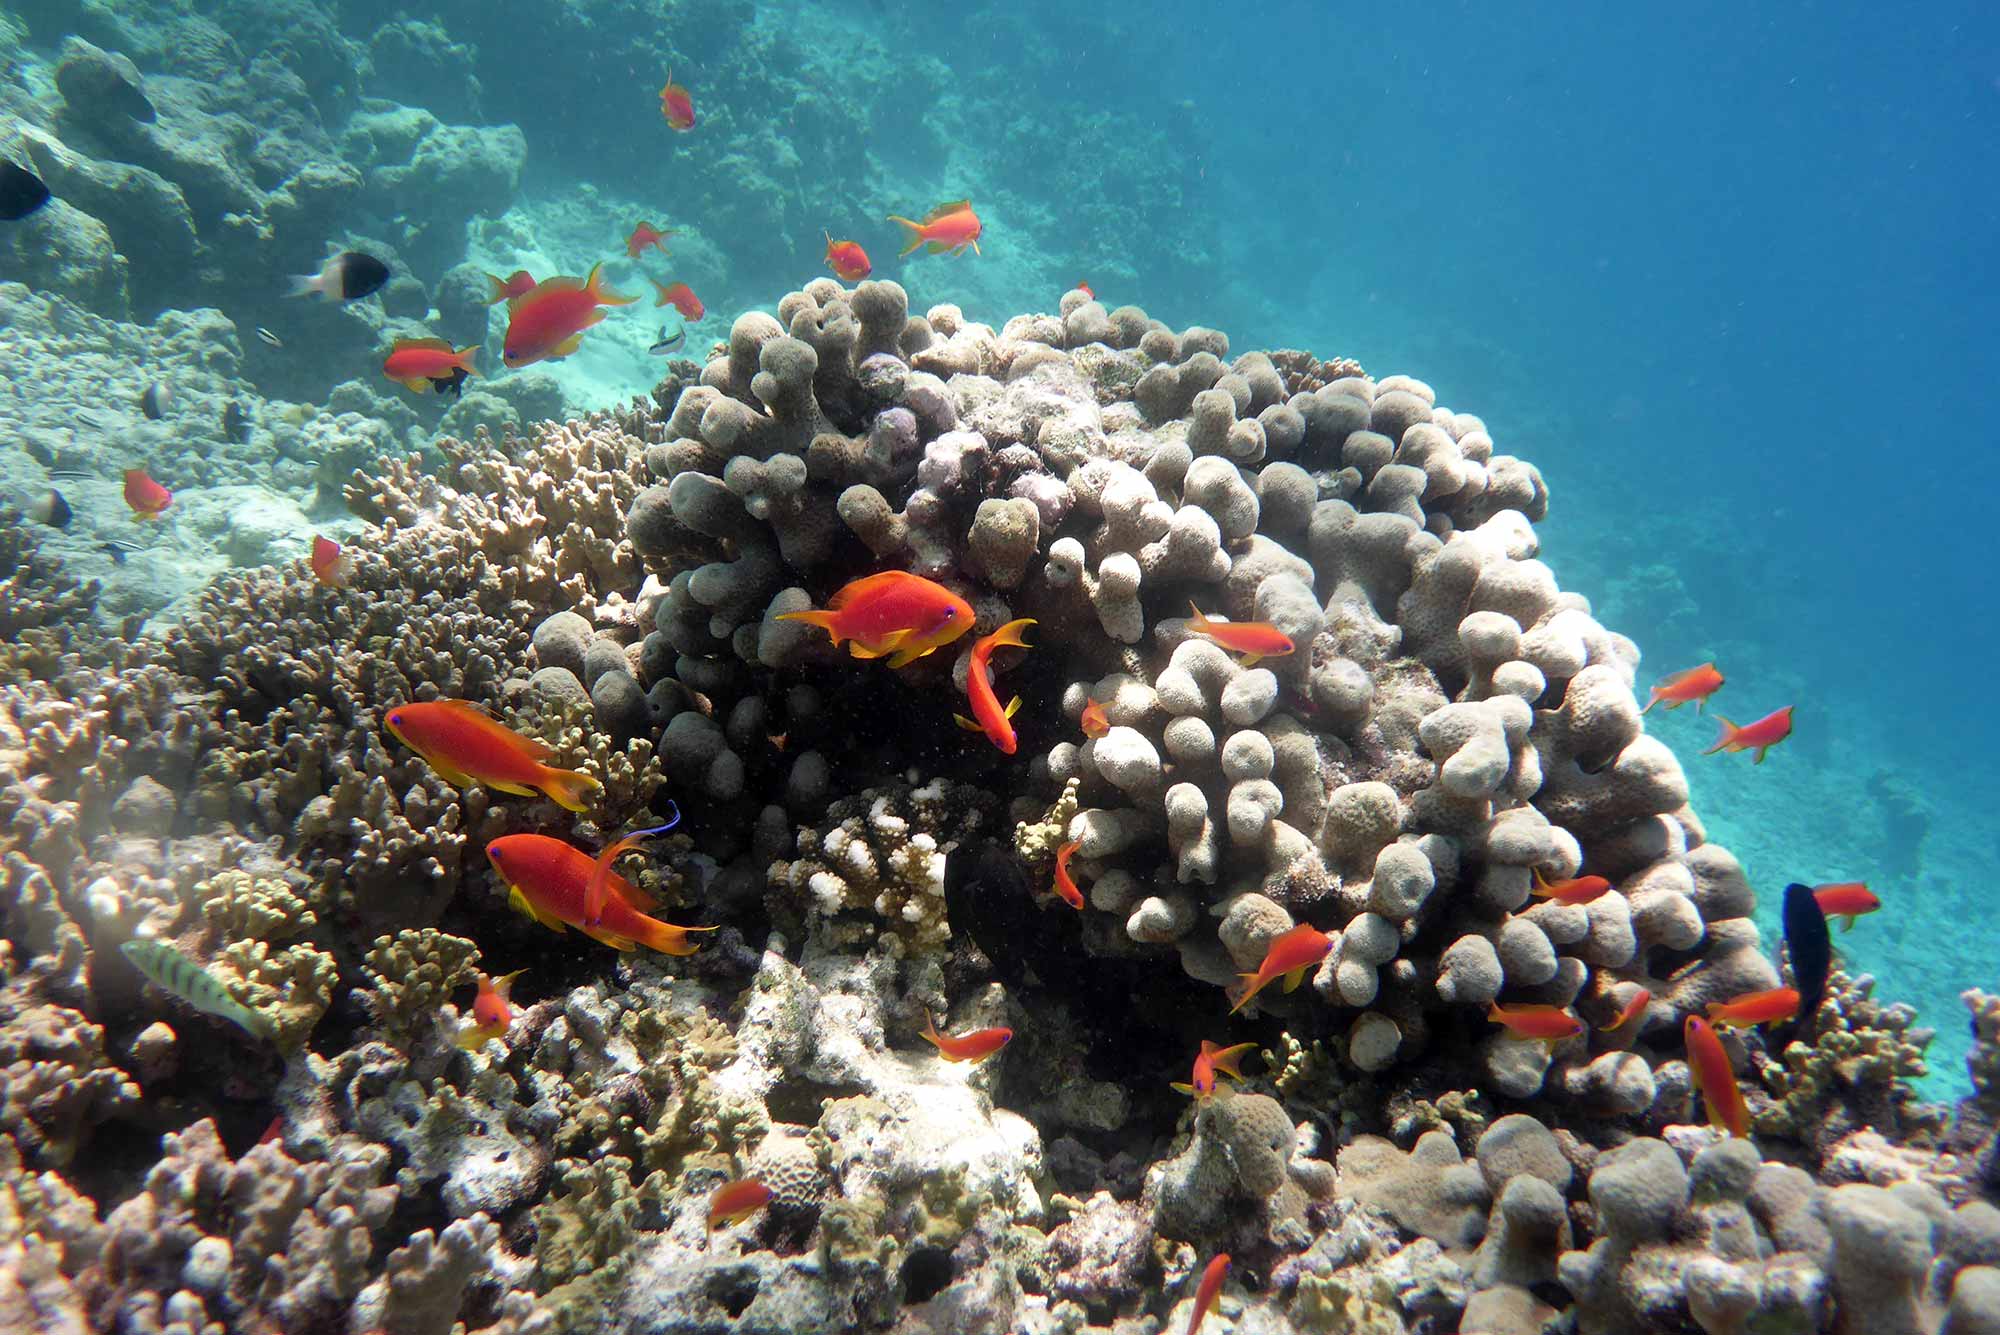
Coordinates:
1208 1291
1255 640
682 298
847 259
1714 1078
549 321
1845 900
995 722
645 234
492 1011
975 1046
1208 1062
465 745
330 566
1095 723
1696 684
735 1201
1760 736
599 887
1544 1024
1291 956
894 613
519 283
1755 1008
952 227
1632 1011
677 105
1575 890
419 364
1086 289
146 497
547 880
1065 885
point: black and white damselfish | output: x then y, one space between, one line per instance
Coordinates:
346 276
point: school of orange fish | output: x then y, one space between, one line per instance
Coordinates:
903 617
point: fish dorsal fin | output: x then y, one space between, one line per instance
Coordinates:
950 206
404 343
560 283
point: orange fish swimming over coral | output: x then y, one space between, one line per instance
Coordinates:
146 497
995 722
1755 1008
547 880
330 565
1254 640
418 364
1095 722
1205 1294
682 298
952 227
1760 736
1211 1061
847 259
643 235
492 1011
974 1046
1544 1024
1291 957
1714 1079
1065 884
548 322
1695 683
1573 891
1086 289
735 1201
677 105
1845 900
894 614
1633 1010
466 745
515 284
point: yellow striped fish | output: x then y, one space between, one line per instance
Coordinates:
174 972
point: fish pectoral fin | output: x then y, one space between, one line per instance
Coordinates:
911 653
966 723
566 347
1186 1089
450 773
1013 706
882 648
1250 660
1294 978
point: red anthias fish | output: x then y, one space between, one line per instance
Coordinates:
645 234
1205 1294
952 227
1546 1024
492 1011
894 614
1633 1010
419 364
1254 640
1714 1078
1696 684
975 1046
1291 957
548 322
677 105
1095 722
515 284
146 497
1086 289
548 879
995 722
1845 900
1065 885
682 298
1211 1061
1760 736
465 745
736 1200
1576 890
1755 1008
847 259
330 566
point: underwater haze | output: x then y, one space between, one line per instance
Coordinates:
699 666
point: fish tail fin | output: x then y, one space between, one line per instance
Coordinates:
1250 989
462 359
1729 731
916 237
1655 699
594 285
496 289
305 285
1199 621
568 788
665 937
1010 634
826 621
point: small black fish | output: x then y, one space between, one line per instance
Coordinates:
125 96
76 474
236 421
90 419
1809 947
50 509
451 384
270 337
348 276
118 550
157 401
669 342
21 191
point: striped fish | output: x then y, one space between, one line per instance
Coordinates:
174 972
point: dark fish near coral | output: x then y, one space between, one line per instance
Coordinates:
51 509
1809 947
269 337
117 550
157 401
21 191
669 342
990 902
128 98
236 422
452 384
347 276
